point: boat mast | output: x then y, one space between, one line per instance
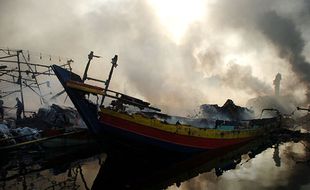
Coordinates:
107 83
119 98
90 57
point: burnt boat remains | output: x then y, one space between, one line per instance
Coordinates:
144 127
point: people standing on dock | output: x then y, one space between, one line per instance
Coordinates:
1 109
20 109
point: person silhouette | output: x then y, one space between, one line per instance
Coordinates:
20 109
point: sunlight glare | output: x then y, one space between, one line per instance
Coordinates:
177 15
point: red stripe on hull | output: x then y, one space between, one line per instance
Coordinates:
189 141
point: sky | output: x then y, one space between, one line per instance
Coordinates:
176 54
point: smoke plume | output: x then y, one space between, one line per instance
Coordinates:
285 36
233 51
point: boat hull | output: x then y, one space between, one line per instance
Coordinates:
114 127
157 138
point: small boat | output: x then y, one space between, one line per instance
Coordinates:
143 128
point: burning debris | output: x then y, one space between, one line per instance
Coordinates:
210 116
285 104
229 111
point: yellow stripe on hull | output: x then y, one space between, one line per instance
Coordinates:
186 129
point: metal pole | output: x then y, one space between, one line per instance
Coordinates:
35 78
90 57
107 83
20 82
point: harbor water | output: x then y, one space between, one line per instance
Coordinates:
267 163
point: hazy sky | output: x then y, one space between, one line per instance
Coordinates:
176 54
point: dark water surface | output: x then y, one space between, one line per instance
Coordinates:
263 164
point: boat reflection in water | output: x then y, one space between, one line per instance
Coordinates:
261 164
235 168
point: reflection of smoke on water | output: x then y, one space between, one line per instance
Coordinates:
299 176
261 172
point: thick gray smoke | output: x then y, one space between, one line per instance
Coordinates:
229 53
275 29
241 78
149 62
285 36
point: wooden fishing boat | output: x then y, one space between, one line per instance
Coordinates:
144 129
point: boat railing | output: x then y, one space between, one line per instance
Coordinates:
304 109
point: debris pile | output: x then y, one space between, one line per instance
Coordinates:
229 111
209 115
59 116
12 136
25 133
5 136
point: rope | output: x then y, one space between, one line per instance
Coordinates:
33 54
